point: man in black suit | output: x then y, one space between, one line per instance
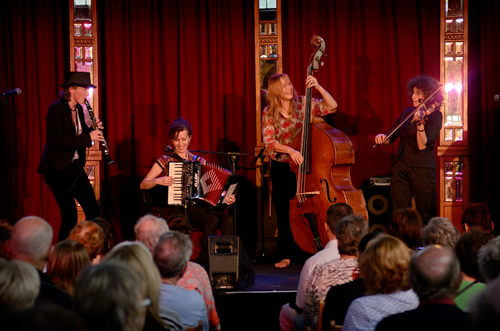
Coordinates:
435 277
63 160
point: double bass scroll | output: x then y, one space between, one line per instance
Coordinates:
324 177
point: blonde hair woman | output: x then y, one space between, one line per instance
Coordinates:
384 267
282 121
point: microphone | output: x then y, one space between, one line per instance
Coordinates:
420 100
496 97
17 91
261 153
169 149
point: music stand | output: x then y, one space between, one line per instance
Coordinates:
232 156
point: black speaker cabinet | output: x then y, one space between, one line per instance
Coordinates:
229 264
379 205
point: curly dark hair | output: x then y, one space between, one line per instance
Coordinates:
179 125
467 248
427 85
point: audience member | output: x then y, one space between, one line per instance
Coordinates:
349 232
111 296
467 249
109 238
45 318
384 268
435 277
5 231
138 257
66 261
406 224
91 236
339 297
148 230
195 277
440 231
477 215
489 260
30 242
485 310
171 256
19 286
291 313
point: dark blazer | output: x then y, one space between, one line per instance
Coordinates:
407 135
62 140
428 317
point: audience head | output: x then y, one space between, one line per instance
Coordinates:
111 296
31 240
440 231
138 257
109 238
489 260
66 261
5 232
172 254
335 213
467 249
406 224
180 224
44 317
90 235
485 308
148 230
435 273
384 265
365 240
349 232
477 215
19 285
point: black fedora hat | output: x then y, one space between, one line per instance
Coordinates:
76 78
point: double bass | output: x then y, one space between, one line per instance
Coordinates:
324 177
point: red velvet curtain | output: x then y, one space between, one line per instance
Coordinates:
484 111
34 47
373 48
163 59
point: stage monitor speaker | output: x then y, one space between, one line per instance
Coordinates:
379 205
229 265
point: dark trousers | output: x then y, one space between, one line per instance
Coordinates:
284 185
208 219
66 186
409 181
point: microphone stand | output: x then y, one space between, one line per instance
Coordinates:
232 156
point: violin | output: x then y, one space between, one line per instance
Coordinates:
424 112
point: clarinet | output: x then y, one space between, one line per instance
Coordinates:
105 150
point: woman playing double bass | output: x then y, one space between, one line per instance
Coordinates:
414 169
282 121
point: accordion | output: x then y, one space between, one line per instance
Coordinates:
194 181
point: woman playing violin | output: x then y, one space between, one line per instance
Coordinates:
282 121
414 169
199 214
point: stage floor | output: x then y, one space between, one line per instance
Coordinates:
257 307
